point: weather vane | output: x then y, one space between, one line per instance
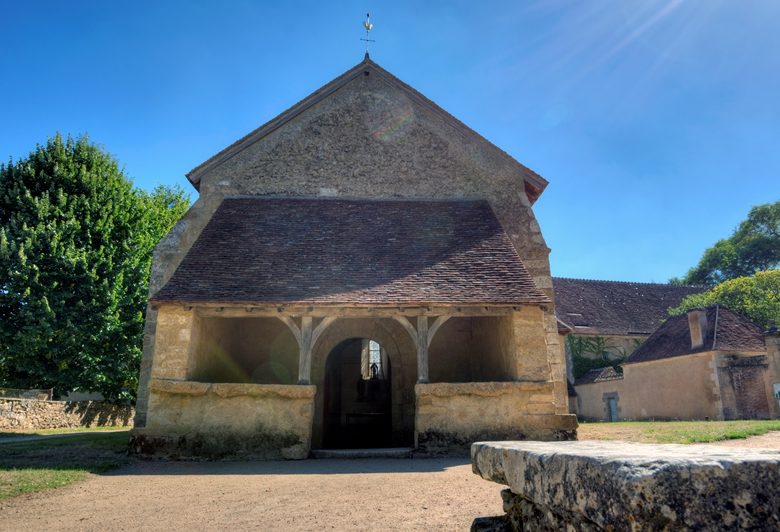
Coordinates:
368 26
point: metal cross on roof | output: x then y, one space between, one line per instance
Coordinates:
368 26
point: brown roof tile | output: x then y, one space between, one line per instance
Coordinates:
614 307
328 251
726 331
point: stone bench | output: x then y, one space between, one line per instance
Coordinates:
630 486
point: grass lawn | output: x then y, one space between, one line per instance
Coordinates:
675 431
31 466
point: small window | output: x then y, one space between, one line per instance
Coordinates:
371 363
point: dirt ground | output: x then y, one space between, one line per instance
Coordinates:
368 494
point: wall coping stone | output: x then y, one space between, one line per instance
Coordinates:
484 389
227 389
633 486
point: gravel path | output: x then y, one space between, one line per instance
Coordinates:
367 494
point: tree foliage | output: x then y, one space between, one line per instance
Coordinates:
753 247
601 351
756 297
76 242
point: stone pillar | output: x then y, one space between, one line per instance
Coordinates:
173 343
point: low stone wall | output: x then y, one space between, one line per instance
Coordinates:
189 419
451 416
31 414
630 486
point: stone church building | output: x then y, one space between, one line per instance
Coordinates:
362 271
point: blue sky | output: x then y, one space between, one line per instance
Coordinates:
657 122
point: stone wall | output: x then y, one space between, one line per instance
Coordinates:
451 416
30 414
196 419
628 486
708 385
369 138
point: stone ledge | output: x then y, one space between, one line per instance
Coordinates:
483 389
227 390
625 486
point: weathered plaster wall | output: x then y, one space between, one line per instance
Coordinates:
189 418
683 387
592 403
451 416
369 140
31 414
470 350
694 386
258 350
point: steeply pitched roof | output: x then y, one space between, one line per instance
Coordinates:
615 308
328 251
599 375
534 183
725 331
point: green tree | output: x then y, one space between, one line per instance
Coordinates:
756 296
753 247
600 348
75 255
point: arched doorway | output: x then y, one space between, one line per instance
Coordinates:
357 410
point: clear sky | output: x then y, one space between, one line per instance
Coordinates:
657 122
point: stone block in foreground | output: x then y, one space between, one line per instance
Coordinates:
630 486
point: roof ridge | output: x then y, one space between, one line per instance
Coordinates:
626 282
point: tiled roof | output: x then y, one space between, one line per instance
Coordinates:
599 375
725 331
329 251
615 308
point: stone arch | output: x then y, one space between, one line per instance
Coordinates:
401 352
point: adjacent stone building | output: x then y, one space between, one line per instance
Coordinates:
362 271
622 314
707 364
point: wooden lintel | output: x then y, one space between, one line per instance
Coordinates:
244 311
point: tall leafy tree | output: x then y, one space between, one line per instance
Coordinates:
753 247
76 242
756 296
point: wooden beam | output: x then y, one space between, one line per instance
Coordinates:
244 311
304 356
422 348
435 327
408 327
287 320
324 324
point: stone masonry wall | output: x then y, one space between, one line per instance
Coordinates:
368 139
30 414
451 416
195 419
